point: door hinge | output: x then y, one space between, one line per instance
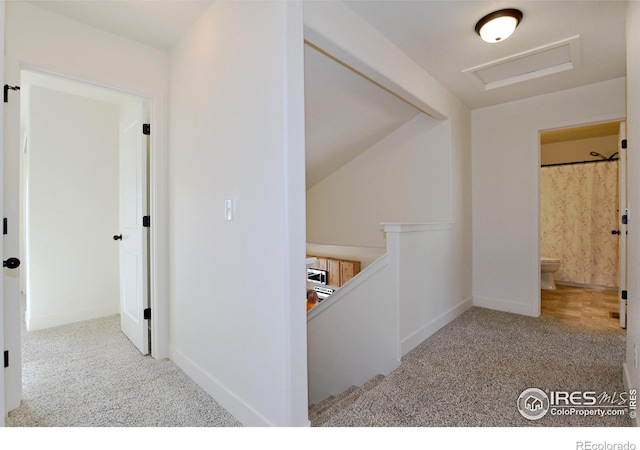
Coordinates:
623 294
6 91
5 226
147 314
625 219
6 359
624 143
146 129
146 221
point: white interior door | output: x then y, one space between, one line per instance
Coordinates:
133 235
11 377
2 128
622 181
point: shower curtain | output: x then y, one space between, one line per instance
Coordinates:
578 210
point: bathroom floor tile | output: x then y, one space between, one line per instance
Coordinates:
582 305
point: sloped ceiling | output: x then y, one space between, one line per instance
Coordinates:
344 115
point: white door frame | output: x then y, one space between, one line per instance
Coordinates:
571 124
157 202
623 210
158 245
2 347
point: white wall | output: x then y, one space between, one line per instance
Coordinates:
72 209
426 279
238 324
36 38
336 29
506 161
353 334
632 374
405 177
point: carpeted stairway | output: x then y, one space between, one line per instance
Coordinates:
320 413
472 371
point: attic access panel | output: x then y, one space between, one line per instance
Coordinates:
546 60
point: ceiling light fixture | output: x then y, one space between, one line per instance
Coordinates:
498 25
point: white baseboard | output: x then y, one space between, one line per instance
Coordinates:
54 320
503 305
242 411
417 337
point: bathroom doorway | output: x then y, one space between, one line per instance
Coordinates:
580 185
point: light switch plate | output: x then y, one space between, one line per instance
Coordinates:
228 209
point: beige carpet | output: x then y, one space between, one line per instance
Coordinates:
90 375
468 374
471 372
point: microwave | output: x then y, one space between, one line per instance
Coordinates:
317 276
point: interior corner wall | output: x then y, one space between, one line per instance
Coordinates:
72 209
335 28
505 174
238 324
632 373
404 178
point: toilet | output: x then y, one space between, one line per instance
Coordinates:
548 266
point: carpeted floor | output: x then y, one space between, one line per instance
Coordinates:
468 374
89 374
471 372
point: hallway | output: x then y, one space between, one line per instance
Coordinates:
88 374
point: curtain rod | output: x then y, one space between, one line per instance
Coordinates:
580 162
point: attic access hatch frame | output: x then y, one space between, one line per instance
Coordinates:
546 60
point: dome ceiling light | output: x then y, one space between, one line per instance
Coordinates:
498 25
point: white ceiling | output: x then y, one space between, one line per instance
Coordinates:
345 114
440 37
156 23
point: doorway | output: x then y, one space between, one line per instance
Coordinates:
15 243
71 201
580 186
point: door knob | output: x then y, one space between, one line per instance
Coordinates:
11 263
615 231
117 237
